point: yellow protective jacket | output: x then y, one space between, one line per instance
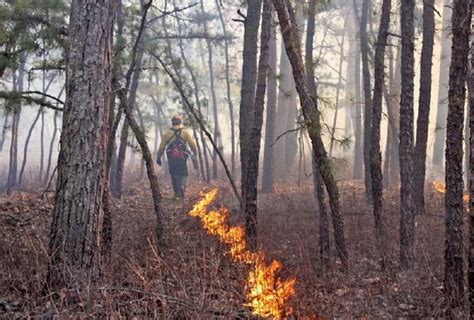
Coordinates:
168 136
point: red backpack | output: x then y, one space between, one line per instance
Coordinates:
177 148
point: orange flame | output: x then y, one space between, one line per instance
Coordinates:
267 294
440 187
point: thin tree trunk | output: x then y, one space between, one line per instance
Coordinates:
393 106
375 152
453 269
407 220
28 137
423 106
227 81
338 89
78 214
364 48
268 151
150 169
250 200
284 93
12 169
27 142
131 97
51 147
4 131
246 114
12 181
210 64
291 138
318 187
442 109
42 132
311 115
358 145
470 84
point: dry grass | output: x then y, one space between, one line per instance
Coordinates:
193 279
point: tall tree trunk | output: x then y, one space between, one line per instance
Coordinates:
350 97
358 146
30 132
311 115
42 133
131 97
393 106
12 181
442 110
150 166
247 104
364 49
375 152
75 240
116 188
12 168
27 142
470 83
453 269
423 106
268 152
291 138
210 63
338 89
407 220
284 94
318 187
227 82
250 200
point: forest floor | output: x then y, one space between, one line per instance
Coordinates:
194 279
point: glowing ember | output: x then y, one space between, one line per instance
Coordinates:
439 186
267 294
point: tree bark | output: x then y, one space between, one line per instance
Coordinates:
318 187
358 146
423 106
311 115
442 109
75 240
375 152
268 152
470 84
453 269
364 49
407 220
393 103
246 115
250 200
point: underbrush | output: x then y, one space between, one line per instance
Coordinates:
192 278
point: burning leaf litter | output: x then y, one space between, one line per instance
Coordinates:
267 294
441 188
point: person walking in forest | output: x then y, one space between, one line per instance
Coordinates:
177 141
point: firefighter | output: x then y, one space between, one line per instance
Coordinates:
179 145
